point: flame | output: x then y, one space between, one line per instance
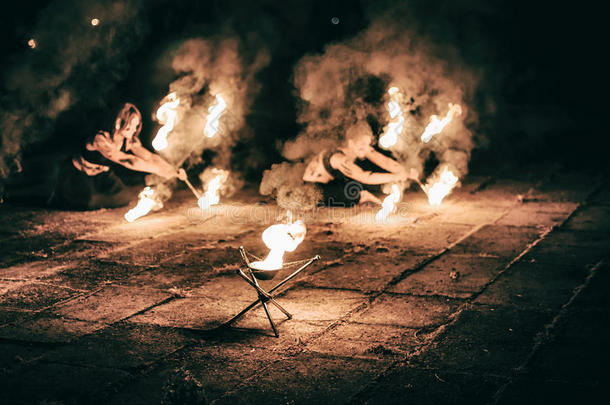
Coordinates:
95 21
145 204
436 125
439 190
280 238
389 203
166 115
394 128
215 112
211 196
32 43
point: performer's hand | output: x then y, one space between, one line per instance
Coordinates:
182 174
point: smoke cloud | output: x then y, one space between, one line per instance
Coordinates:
345 90
209 69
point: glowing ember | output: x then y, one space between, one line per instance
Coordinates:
145 204
280 238
32 43
95 21
394 128
389 203
436 125
211 196
439 190
166 115
215 112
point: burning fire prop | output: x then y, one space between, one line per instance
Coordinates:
214 114
437 125
394 128
166 115
146 203
280 238
211 196
389 203
439 190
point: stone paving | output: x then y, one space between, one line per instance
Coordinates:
499 296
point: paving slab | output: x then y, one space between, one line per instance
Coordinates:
430 238
549 252
591 218
452 275
537 286
409 385
553 392
36 296
407 311
505 242
362 340
48 329
89 275
15 356
218 367
123 346
307 378
112 304
58 383
486 339
538 214
365 272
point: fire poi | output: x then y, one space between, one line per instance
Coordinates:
145 204
395 126
211 196
437 125
166 115
212 119
438 190
389 203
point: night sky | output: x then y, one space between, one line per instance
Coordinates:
540 95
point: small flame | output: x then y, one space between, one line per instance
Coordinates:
436 125
95 22
439 190
215 112
32 43
389 203
166 115
144 206
395 126
211 196
280 238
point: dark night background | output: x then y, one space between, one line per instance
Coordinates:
540 64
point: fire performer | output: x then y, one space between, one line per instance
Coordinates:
342 179
87 180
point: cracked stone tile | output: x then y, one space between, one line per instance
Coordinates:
451 275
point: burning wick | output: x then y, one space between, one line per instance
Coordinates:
95 22
439 190
436 125
211 196
394 128
32 43
389 203
166 115
215 112
280 238
145 204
